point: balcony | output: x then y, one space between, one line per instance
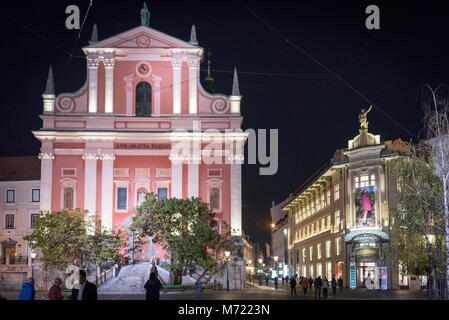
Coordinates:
8 260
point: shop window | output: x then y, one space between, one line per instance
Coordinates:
9 221
319 269
329 270
35 195
10 196
143 99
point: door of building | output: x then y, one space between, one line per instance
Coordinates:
11 252
364 269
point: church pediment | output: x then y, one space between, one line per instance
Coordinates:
141 37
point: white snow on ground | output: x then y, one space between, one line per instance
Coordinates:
132 278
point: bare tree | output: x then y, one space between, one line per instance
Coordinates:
435 103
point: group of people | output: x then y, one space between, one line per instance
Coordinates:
319 283
85 290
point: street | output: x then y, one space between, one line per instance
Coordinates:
256 293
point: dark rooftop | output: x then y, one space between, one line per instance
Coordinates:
20 168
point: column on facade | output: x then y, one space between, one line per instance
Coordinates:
46 180
107 190
193 63
157 94
90 185
109 62
176 178
177 66
236 199
92 66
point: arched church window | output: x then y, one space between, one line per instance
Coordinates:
68 198
143 99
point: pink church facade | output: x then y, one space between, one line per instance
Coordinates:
106 145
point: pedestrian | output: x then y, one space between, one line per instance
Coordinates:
55 292
86 290
340 283
276 282
305 284
27 292
369 284
325 287
310 283
286 279
266 280
334 285
152 286
318 283
293 285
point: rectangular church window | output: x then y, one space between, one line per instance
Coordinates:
162 194
214 200
122 198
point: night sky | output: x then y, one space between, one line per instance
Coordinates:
282 86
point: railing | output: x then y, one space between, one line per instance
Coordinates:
14 260
107 275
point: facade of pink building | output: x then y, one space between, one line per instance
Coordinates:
112 141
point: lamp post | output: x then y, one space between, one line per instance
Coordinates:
33 257
227 253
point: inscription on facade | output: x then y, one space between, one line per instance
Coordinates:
142 146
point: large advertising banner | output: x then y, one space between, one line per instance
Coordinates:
364 207
383 278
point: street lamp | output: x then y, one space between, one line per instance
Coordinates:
33 257
227 253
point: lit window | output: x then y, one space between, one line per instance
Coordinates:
318 251
328 249
323 223
328 222
323 200
337 192
9 221
328 197
337 218
337 246
122 198
317 203
319 270
68 198
310 253
329 270
34 218
311 272
10 196
304 254
143 99
35 195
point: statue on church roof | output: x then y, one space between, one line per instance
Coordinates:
363 118
145 16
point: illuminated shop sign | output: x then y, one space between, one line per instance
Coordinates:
364 207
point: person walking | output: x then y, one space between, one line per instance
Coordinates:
305 284
27 292
340 283
325 287
55 292
266 280
86 290
276 282
334 285
318 283
286 279
153 286
369 284
310 283
293 285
